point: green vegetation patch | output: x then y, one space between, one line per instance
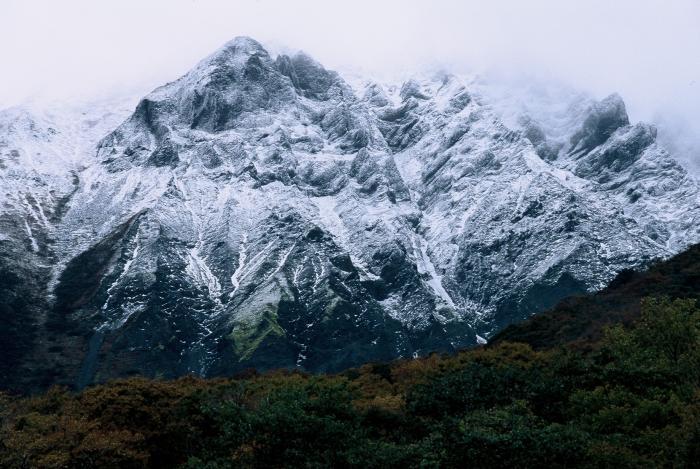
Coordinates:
249 334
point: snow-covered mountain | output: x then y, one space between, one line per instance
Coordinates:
260 211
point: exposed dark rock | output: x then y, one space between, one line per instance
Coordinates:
603 119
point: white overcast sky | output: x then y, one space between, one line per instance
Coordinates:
648 51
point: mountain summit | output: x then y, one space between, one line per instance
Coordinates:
261 212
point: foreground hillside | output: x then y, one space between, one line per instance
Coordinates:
633 400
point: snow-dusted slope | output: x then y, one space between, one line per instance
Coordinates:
259 211
43 151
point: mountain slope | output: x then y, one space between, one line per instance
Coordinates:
580 320
261 212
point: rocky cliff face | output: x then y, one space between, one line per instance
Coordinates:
260 211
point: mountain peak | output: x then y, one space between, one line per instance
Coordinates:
243 45
604 118
236 55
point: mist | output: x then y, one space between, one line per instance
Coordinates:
645 50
